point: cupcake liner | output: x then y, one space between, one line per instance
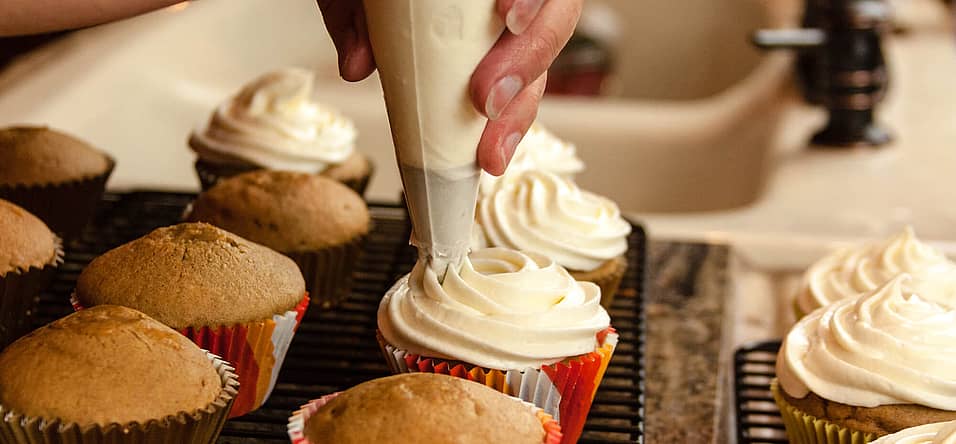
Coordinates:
328 272
256 350
19 292
609 281
296 427
209 174
564 390
803 428
197 427
65 207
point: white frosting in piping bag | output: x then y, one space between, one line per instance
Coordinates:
426 52
274 123
936 433
500 309
851 271
887 346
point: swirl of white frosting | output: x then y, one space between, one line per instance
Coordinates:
935 433
887 346
540 150
854 270
543 213
501 309
274 123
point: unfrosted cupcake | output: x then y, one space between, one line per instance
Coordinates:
421 409
111 374
539 150
541 212
29 254
53 175
868 366
853 270
233 297
274 123
318 222
516 322
936 433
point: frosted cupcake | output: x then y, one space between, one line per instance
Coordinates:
516 322
539 150
937 433
868 366
543 213
854 270
274 123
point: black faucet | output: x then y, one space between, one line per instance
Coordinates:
840 66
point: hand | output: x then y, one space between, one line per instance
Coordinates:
506 86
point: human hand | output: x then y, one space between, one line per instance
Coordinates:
506 86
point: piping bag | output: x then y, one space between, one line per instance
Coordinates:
426 52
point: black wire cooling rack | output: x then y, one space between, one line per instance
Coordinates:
336 349
758 418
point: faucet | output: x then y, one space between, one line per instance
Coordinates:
840 66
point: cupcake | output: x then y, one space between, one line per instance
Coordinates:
542 213
421 409
936 433
29 253
111 374
539 150
516 322
274 123
233 297
857 269
318 222
868 366
57 177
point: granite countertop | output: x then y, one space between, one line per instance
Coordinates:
687 364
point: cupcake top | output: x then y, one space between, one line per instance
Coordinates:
25 241
193 275
541 212
37 155
106 365
274 123
887 346
854 270
539 150
424 408
935 433
500 309
285 211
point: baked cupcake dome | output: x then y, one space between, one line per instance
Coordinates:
56 176
233 297
427 409
112 370
318 222
871 365
29 252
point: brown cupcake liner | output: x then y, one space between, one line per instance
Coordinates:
19 292
328 272
65 207
209 174
198 427
609 281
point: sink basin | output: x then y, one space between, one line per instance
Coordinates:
692 120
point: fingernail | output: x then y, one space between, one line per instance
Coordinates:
501 95
508 148
521 15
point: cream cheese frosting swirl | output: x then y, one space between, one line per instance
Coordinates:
887 346
543 213
274 123
500 309
935 433
540 150
853 270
